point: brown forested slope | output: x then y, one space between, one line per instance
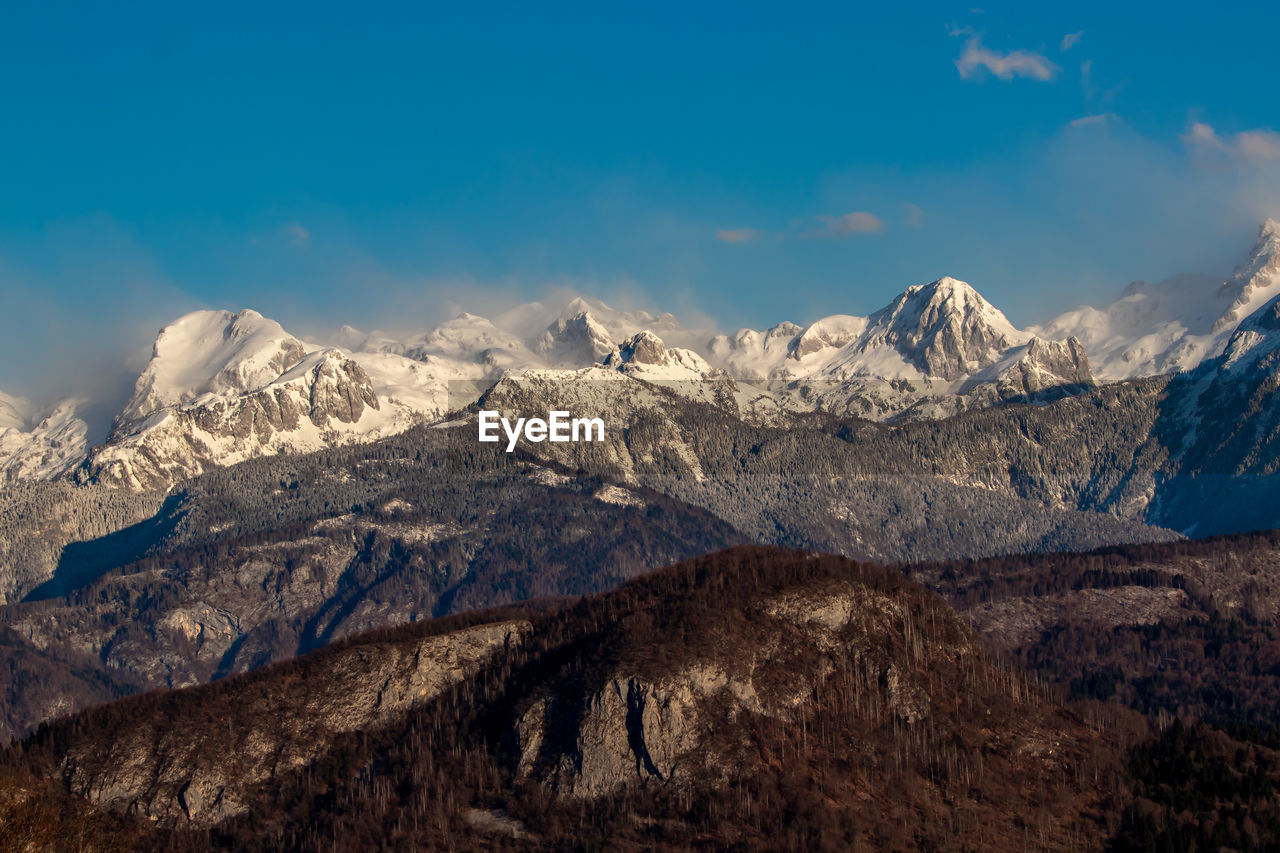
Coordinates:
756 698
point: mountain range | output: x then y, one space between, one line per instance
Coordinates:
222 387
934 584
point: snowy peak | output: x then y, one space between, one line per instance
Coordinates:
1258 336
619 325
751 355
1177 324
942 330
324 399
575 340
644 348
945 328
337 387
1043 365
836 331
1256 281
645 356
1151 329
211 352
39 445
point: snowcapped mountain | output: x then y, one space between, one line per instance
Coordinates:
222 386
1255 343
211 353
323 399
938 348
1256 282
1038 367
39 444
645 356
618 325
943 330
574 340
1176 324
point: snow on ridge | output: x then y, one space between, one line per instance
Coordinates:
916 336
940 338
214 352
1176 324
40 445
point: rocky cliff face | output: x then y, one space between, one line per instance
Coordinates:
674 725
187 768
1046 366
317 402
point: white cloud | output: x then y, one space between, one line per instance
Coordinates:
298 234
737 235
1005 66
839 227
1259 144
1100 118
1070 40
1249 146
915 216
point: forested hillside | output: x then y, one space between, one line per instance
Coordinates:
753 698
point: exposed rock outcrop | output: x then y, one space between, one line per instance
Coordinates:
167 769
316 403
1047 365
646 725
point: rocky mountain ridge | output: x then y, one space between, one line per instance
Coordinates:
216 388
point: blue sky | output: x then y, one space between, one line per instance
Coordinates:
386 166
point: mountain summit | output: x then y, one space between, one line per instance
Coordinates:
222 386
1256 281
945 329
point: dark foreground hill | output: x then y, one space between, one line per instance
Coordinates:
1186 628
755 698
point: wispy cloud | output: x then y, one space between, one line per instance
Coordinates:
1100 118
737 235
848 225
298 234
914 215
1248 146
1259 144
1070 40
1005 66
